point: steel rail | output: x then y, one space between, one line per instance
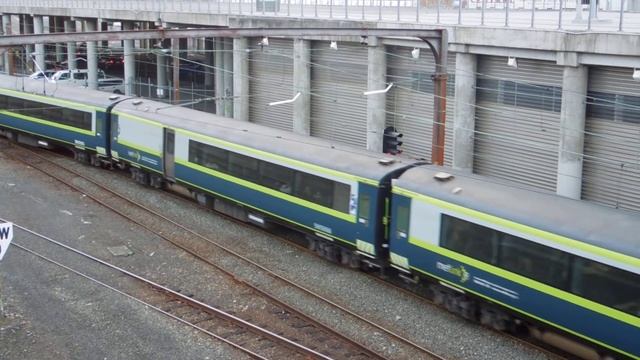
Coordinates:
173 293
231 252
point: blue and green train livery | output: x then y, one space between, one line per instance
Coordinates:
271 175
492 252
35 117
542 258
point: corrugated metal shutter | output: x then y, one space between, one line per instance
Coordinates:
338 79
611 167
518 120
271 79
410 100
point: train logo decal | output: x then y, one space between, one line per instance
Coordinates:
460 271
134 154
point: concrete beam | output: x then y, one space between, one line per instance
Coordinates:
464 117
376 103
328 33
572 125
302 85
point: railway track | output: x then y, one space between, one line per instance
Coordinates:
252 339
306 331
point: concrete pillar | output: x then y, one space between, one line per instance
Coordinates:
219 78
464 117
208 63
572 121
129 61
104 26
92 55
240 79
38 28
228 78
27 27
9 61
175 51
376 103
58 26
161 75
302 85
70 26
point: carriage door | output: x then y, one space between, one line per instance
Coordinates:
169 154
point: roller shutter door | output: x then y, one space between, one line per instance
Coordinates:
611 166
338 79
518 120
410 100
271 79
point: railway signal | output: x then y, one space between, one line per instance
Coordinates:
391 141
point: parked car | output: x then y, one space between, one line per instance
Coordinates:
42 74
79 77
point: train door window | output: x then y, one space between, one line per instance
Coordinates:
314 188
524 257
243 167
341 196
402 221
465 237
616 288
364 205
276 177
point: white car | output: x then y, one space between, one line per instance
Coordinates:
79 77
42 74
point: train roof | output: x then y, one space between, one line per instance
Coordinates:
307 149
58 91
580 220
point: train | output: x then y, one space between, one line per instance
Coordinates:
508 257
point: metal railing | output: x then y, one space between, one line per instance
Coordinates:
570 15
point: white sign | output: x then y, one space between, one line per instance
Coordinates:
6 235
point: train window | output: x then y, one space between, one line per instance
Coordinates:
524 257
314 188
619 289
243 167
276 177
208 156
402 219
473 240
65 116
364 204
341 195
3 102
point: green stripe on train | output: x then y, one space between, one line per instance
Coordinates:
259 153
564 295
50 100
612 255
48 123
269 191
527 314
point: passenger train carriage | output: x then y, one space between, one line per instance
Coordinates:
566 263
331 193
56 119
503 255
